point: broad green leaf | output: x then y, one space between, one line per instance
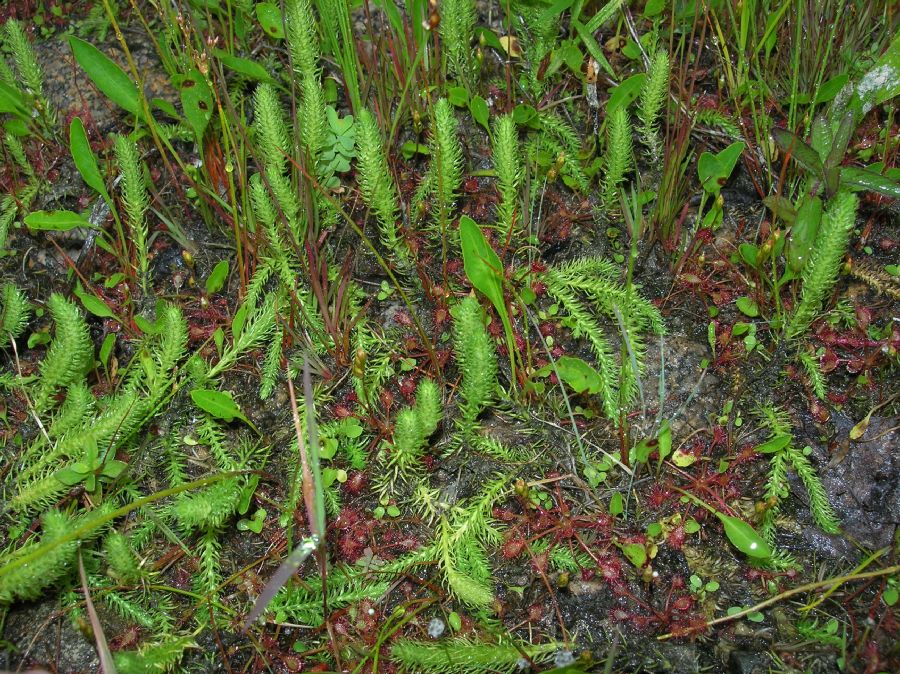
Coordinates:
218 404
69 477
196 101
683 459
269 16
665 442
485 271
744 537
113 468
654 7
616 504
84 158
165 107
830 89
242 66
800 151
458 96
107 76
106 349
714 170
578 374
860 429
747 306
625 93
803 232
11 101
603 15
217 277
729 156
593 47
55 221
93 304
882 82
524 114
781 207
478 107
858 179
490 37
635 553
749 253
775 444
820 137
841 139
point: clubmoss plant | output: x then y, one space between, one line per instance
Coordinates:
134 194
444 177
14 313
618 158
70 353
154 657
30 73
821 272
457 29
652 101
558 139
777 489
463 655
377 186
477 361
29 581
508 166
303 44
538 32
123 563
595 279
412 428
26 194
460 546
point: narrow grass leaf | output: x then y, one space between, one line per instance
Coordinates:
107 665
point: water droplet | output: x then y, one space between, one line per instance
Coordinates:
436 628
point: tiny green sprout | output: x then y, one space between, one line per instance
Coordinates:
454 621
255 524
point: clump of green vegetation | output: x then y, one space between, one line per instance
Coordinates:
349 336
